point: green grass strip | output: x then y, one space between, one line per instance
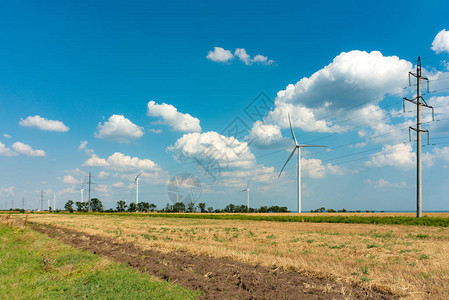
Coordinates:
34 266
388 220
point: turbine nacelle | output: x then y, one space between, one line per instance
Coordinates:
297 145
137 177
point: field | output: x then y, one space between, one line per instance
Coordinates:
34 266
389 261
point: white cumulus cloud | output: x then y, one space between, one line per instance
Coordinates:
257 59
5 151
43 123
122 162
441 42
219 55
171 116
399 155
118 128
70 179
118 184
265 134
213 147
25 149
350 79
314 168
382 183
83 146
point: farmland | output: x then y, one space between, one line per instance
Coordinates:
406 261
35 266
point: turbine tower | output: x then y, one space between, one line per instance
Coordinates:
54 201
297 147
247 194
136 182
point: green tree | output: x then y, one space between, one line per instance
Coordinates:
81 206
143 206
202 207
69 206
230 208
96 205
210 209
179 207
191 207
152 207
263 209
121 206
168 208
132 207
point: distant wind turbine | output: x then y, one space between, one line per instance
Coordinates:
247 194
297 147
136 182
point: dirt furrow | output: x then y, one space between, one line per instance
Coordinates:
217 278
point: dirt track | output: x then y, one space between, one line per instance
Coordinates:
216 278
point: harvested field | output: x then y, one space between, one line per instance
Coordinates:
406 261
216 278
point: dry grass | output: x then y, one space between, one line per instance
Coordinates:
410 261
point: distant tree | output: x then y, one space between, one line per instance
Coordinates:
210 209
179 207
230 208
191 207
263 209
202 207
318 210
168 208
152 207
121 206
240 209
96 205
69 206
81 206
143 206
330 210
132 207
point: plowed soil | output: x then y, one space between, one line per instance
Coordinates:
217 278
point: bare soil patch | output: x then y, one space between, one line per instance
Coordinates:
217 278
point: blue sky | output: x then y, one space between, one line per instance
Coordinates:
77 80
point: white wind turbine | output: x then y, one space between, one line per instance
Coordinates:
297 147
136 182
247 194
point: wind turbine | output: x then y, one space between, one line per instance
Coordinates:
297 147
247 194
136 182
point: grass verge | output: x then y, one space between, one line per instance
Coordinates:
35 266
389 220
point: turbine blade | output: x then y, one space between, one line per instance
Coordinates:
249 181
293 152
291 129
243 190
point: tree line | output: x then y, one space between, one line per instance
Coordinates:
122 206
